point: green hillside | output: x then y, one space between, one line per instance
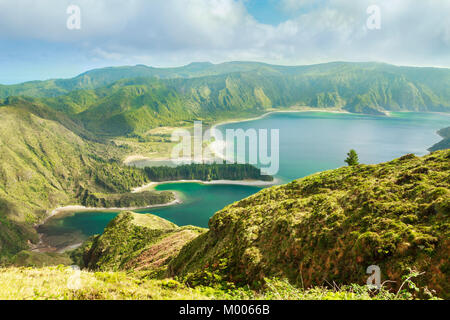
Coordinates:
331 226
44 165
126 100
136 242
300 238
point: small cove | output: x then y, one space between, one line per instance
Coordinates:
309 142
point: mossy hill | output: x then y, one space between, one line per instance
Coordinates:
135 242
129 261
331 226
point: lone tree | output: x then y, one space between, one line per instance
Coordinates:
352 158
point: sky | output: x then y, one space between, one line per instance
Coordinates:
36 42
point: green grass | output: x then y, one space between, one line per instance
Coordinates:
57 283
134 241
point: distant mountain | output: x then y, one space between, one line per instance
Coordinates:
102 77
132 100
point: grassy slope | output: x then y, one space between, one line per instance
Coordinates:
51 283
40 163
44 165
136 242
331 226
142 246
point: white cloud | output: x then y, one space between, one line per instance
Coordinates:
294 5
163 32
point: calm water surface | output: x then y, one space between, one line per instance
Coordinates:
309 142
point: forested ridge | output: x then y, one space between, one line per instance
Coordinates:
132 100
206 172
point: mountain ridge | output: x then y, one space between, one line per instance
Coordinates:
125 101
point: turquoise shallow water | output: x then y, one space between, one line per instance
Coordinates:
309 142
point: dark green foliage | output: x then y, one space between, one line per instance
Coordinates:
13 235
124 200
114 177
135 241
206 172
352 158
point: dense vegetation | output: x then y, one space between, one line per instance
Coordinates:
124 200
137 248
331 226
44 165
206 172
55 150
133 100
134 242
50 283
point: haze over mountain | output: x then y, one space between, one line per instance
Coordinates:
124 100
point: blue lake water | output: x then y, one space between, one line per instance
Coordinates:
309 142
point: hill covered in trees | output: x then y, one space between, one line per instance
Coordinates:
132 100
206 172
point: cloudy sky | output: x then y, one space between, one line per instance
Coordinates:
35 42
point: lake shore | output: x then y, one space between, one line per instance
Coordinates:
78 208
289 110
43 246
215 146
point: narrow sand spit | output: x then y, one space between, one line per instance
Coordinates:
256 183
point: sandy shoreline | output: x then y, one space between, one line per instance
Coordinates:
300 110
256 183
77 208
